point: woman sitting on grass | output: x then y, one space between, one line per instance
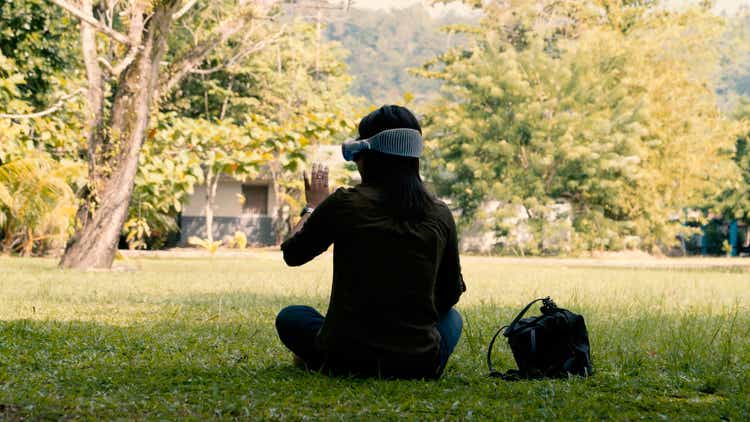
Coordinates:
396 270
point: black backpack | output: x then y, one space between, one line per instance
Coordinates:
554 344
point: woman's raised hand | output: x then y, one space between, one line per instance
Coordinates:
316 187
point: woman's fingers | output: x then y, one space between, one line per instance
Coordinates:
316 188
318 177
323 175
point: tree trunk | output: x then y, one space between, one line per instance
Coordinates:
95 243
8 241
212 183
281 223
94 94
28 246
209 222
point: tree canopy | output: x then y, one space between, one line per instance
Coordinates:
581 102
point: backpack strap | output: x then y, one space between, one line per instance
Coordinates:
523 312
510 374
494 373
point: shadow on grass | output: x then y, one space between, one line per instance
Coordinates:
235 367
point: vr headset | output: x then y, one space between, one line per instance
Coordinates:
403 142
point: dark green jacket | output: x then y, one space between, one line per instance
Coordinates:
391 281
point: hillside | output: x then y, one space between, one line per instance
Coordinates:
383 45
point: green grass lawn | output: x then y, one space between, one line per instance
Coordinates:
194 339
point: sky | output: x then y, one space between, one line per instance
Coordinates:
722 6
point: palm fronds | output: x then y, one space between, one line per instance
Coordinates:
37 202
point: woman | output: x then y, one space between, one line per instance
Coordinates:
396 270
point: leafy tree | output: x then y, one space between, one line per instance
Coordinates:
40 40
37 202
267 109
220 149
37 199
123 47
583 102
224 67
10 95
734 201
308 104
167 173
40 82
734 80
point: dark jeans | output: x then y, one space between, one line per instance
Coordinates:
298 327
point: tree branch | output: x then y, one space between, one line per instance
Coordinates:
241 54
89 19
111 5
135 34
179 68
58 105
184 9
107 65
257 47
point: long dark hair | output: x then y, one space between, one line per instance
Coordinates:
402 192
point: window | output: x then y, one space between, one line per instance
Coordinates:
256 199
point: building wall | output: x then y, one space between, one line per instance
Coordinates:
228 214
227 199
